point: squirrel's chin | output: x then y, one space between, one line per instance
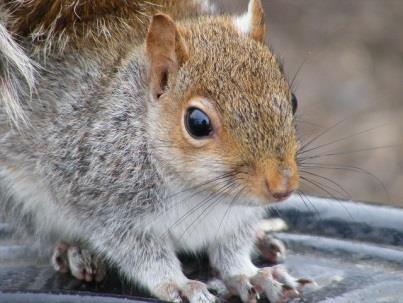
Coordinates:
255 201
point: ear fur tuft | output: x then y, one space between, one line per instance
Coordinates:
252 23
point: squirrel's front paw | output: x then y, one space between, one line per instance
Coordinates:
274 282
271 248
79 262
192 291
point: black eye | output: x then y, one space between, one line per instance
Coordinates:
294 102
197 123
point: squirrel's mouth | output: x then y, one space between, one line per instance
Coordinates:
271 188
282 196
252 199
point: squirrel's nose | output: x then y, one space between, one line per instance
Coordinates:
281 185
281 195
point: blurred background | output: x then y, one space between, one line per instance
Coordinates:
347 60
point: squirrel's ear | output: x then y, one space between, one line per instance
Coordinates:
166 52
252 23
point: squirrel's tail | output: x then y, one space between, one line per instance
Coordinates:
16 77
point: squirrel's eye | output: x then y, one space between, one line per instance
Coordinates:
197 123
294 102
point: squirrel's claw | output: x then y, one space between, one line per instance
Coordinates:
278 285
79 262
59 258
169 292
192 291
271 248
240 285
273 282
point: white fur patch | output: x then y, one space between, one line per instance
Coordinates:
197 220
243 23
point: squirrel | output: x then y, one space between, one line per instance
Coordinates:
143 129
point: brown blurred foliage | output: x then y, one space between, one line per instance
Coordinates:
348 57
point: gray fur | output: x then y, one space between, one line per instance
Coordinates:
87 170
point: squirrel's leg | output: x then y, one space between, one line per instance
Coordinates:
152 262
80 262
232 258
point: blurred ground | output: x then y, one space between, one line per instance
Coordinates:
350 56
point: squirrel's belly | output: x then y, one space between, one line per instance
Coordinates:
193 226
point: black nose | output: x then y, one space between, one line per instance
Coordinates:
282 195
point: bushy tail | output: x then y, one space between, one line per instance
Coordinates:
16 77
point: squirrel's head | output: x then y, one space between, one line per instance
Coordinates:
221 114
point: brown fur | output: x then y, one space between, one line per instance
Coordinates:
166 51
258 26
249 93
54 25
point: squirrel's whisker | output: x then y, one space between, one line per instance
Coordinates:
328 180
205 202
205 212
300 152
308 203
322 133
349 152
325 188
299 121
227 212
329 188
199 205
307 57
351 168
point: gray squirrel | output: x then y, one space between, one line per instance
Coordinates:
142 137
